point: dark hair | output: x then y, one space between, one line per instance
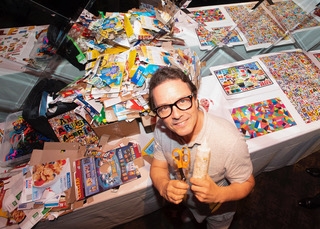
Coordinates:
169 73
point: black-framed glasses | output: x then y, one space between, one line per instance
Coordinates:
183 104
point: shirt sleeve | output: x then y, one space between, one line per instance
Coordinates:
239 164
158 151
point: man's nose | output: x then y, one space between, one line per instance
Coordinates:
176 112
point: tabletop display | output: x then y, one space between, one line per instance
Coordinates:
291 75
271 99
255 28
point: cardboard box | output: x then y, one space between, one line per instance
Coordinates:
149 123
106 146
148 150
118 130
53 151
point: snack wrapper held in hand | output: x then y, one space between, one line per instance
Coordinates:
201 163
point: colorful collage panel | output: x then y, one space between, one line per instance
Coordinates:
291 16
208 15
16 31
214 27
214 36
206 38
298 78
226 35
256 25
261 118
317 56
12 46
16 43
242 78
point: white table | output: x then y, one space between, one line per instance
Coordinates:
108 209
138 198
274 150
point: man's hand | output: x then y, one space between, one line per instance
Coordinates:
206 190
175 191
172 190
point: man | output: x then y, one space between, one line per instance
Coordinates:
183 123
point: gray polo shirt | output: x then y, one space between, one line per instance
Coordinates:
229 157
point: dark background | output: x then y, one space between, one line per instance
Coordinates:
15 13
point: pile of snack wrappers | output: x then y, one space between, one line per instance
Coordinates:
121 51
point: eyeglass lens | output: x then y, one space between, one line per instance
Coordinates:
183 104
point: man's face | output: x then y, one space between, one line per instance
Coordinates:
181 122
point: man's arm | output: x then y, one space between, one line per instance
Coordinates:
171 190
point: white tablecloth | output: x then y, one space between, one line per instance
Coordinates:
274 150
138 198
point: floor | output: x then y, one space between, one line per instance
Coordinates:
272 204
